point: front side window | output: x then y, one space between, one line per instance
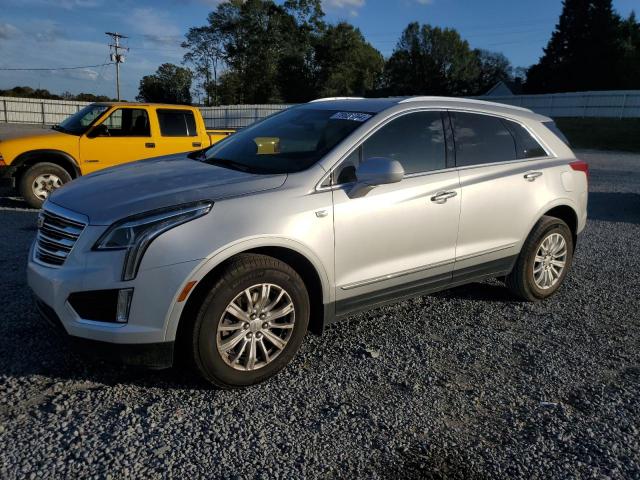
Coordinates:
290 141
416 140
128 122
177 123
481 139
80 121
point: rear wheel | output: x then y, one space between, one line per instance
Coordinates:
37 183
544 260
251 323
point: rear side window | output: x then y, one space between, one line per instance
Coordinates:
557 132
481 139
177 123
526 145
416 140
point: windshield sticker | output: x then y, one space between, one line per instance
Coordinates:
353 116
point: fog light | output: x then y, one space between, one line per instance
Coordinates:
124 304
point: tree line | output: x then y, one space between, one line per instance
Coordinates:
43 93
258 51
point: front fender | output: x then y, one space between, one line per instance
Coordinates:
228 251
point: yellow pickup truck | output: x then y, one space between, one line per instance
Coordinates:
100 135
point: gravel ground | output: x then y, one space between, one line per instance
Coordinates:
467 383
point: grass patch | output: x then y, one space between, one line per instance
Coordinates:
602 133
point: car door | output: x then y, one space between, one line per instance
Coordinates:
501 167
177 131
126 138
398 239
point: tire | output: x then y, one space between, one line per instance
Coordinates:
249 272
32 183
527 279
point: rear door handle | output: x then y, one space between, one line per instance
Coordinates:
442 197
531 176
150 145
196 144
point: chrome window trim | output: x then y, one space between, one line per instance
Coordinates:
549 151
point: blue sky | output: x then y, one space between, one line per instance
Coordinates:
61 33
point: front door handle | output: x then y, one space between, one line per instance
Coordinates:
150 145
531 176
442 197
196 144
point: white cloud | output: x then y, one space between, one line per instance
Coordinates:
8 31
86 74
352 6
65 4
155 26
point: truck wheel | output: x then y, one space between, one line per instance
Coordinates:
37 183
251 323
543 262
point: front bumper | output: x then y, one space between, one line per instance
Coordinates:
143 340
150 355
7 176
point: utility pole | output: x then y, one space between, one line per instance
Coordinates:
116 56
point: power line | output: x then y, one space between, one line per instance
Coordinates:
54 68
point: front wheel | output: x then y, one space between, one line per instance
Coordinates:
543 262
251 323
37 183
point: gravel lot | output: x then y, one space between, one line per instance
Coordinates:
467 383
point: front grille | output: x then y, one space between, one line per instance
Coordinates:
57 234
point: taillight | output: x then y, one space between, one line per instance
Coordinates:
580 166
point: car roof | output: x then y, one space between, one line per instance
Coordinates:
138 104
377 105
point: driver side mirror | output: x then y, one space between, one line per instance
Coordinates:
373 172
99 131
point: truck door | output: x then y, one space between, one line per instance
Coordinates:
177 131
124 136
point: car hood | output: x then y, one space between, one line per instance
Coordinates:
115 193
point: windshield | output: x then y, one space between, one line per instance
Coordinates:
290 141
80 121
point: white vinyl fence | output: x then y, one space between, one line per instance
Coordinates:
32 110
608 104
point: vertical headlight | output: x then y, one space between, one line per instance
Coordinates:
135 234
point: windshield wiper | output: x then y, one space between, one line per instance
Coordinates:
58 128
227 164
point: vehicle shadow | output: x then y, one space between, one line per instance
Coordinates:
614 207
481 292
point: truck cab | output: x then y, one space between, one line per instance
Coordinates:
100 135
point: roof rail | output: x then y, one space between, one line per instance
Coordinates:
328 99
463 100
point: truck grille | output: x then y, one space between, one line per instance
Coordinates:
57 235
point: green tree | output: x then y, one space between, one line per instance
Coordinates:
204 53
630 57
170 84
346 63
494 67
431 60
583 52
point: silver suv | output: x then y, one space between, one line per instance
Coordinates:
231 254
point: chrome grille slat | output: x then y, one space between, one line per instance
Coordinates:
56 237
61 241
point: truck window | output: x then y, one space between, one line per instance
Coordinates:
177 123
128 122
